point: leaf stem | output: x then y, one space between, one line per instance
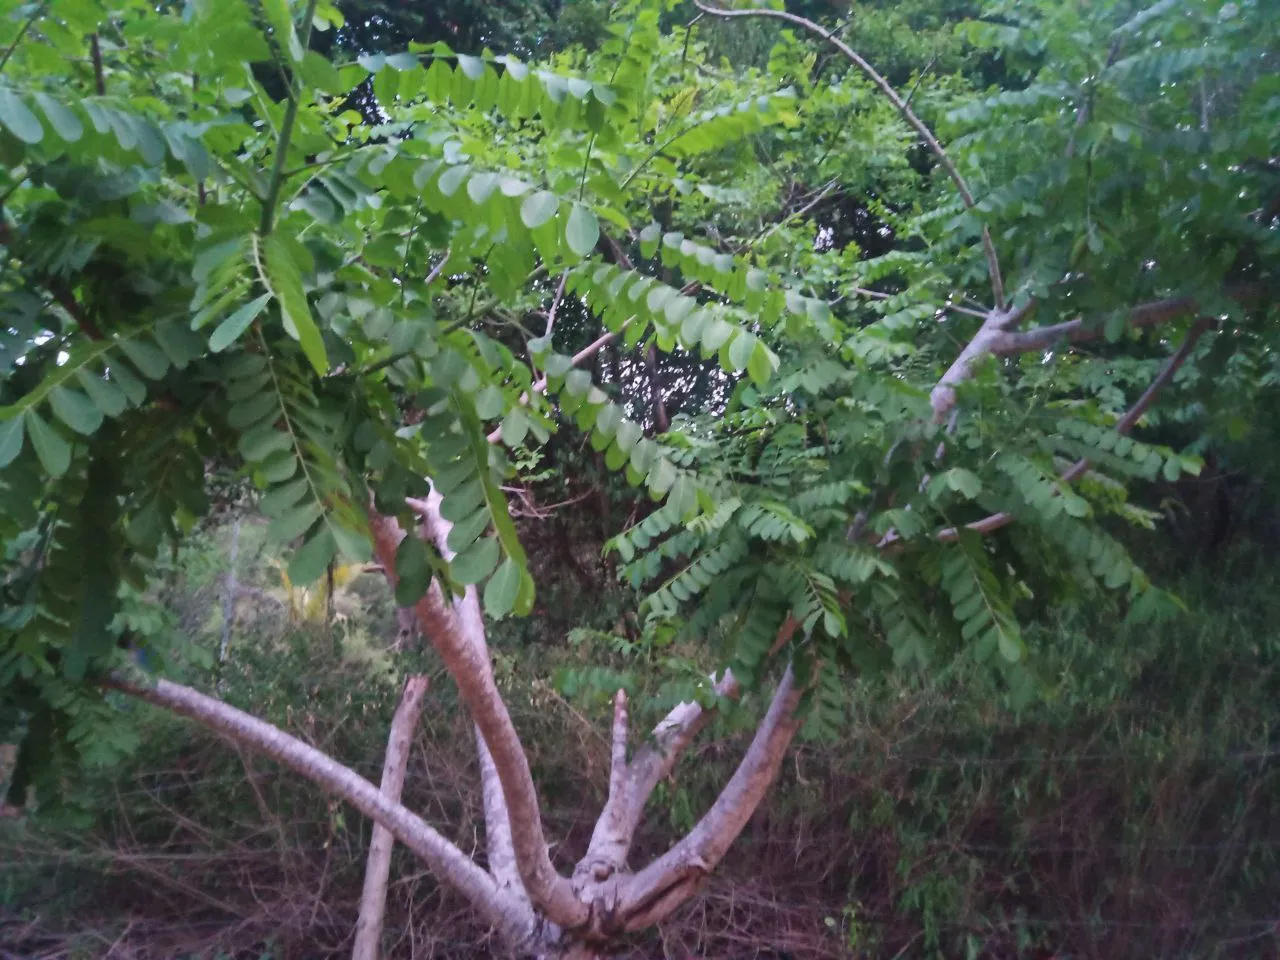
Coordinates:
36 14
286 132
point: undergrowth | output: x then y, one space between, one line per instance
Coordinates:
1133 812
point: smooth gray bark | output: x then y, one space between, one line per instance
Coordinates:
373 899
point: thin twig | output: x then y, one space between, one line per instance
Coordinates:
36 14
437 269
920 78
993 263
555 305
818 198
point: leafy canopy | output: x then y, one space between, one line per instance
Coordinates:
213 260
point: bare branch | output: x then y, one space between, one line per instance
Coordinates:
993 262
497 825
555 305
996 337
99 78
1123 426
437 269
456 630
943 396
446 861
661 422
1076 331
615 829
630 787
659 888
618 752
373 899
590 350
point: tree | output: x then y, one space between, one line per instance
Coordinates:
199 275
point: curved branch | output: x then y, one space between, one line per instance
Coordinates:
456 630
659 888
631 784
446 861
904 108
943 396
630 789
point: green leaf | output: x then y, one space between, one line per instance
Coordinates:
106 395
466 531
515 427
129 385
313 558
741 349
280 465
53 451
147 357
514 186
283 497
452 179
760 366
539 208
284 279
354 545
75 410
476 562
65 123
629 434
18 119
295 523
490 402
964 482
10 440
582 231
649 238
471 67
662 476
1116 324
253 409
1011 647
260 442
502 589
413 571
229 330
480 186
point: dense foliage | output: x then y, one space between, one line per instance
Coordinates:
214 261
